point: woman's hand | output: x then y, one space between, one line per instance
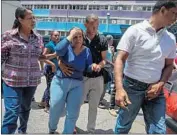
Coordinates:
72 34
42 57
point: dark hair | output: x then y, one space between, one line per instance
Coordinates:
163 3
19 13
91 17
51 33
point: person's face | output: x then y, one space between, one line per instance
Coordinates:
55 36
78 39
169 16
110 42
92 27
29 20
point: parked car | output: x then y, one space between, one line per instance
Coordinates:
170 92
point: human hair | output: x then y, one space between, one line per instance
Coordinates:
78 29
91 17
19 13
51 33
163 3
109 37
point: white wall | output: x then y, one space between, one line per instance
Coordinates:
8 14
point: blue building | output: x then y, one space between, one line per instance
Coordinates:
115 16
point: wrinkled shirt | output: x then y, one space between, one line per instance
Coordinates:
20 58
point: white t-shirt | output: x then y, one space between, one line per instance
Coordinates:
147 50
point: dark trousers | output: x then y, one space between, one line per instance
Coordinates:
49 76
112 98
17 102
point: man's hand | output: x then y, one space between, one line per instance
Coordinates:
122 99
154 90
67 71
96 67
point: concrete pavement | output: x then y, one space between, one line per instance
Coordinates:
38 121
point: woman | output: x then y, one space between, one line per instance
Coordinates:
69 89
20 50
50 68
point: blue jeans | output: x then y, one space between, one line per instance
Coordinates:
49 75
17 102
65 91
153 110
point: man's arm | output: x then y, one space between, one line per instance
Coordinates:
47 51
103 62
156 88
118 68
121 97
167 71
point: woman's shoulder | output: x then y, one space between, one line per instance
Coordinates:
86 50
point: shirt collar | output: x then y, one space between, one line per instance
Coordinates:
147 26
16 31
90 39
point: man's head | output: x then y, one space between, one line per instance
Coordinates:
109 39
91 24
165 11
55 36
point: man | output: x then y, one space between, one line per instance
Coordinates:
149 50
93 82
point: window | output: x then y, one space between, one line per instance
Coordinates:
65 7
127 21
121 21
113 21
137 8
102 7
62 6
102 21
52 6
124 7
62 33
41 32
83 7
135 21
149 8
111 7
74 7
70 7
90 7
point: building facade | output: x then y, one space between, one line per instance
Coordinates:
8 14
115 16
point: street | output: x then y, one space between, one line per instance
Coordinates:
38 120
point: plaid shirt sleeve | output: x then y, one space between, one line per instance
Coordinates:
41 44
5 47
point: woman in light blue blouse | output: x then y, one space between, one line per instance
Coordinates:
68 90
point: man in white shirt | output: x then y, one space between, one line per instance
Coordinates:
149 50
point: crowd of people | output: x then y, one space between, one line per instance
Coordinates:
83 66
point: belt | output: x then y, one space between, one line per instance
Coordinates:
91 75
136 81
